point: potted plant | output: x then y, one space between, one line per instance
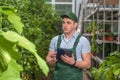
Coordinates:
110 36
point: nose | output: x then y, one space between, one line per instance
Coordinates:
64 24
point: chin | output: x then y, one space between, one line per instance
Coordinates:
65 32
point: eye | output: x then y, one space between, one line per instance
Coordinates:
68 22
63 22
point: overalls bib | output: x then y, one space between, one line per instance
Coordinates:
64 71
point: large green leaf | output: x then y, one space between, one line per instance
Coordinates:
4 60
13 18
8 46
21 40
25 43
12 72
7 51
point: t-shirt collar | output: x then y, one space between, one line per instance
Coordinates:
74 35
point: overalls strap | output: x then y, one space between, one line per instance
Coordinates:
76 41
59 41
75 45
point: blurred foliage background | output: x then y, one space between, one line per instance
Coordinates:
41 24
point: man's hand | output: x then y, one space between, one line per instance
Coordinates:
67 59
51 58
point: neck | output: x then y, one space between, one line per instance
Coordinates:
69 35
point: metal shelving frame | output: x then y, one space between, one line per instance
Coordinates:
92 12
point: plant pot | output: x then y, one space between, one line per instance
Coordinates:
110 38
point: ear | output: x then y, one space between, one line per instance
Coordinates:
76 24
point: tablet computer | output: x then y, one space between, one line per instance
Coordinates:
61 51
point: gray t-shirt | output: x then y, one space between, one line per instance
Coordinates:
82 47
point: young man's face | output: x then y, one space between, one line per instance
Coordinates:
68 25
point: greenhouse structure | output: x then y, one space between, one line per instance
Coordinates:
27 27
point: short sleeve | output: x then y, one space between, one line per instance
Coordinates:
85 46
53 44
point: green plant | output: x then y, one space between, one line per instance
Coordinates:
110 34
41 24
108 69
94 43
94 29
91 27
10 43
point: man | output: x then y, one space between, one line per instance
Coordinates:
69 67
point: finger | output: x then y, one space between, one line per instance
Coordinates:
62 57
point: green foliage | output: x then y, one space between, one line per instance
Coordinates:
41 24
93 42
6 52
12 72
91 27
24 43
109 69
110 34
13 18
9 51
